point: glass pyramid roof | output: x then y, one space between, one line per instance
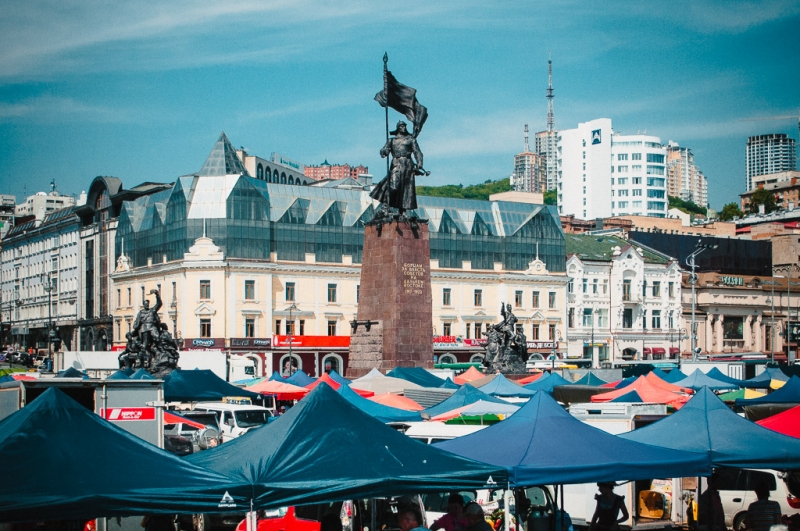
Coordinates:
223 160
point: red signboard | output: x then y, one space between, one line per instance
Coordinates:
117 348
128 413
312 341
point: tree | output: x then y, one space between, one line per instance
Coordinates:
551 197
686 206
762 196
730 211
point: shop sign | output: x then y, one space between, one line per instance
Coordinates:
541 345
731 281
250 343
204 343
450 342
128 413
311 341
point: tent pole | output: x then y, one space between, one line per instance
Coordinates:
506 511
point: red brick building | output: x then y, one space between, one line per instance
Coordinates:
327 170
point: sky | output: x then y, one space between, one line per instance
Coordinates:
142 90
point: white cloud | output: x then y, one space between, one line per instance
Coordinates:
56 109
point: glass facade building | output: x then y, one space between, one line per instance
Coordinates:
249 218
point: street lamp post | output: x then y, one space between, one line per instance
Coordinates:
48 287
690 261
293 307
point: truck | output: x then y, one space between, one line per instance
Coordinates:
655 503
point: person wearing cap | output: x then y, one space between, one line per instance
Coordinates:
475 518
454 519
606 515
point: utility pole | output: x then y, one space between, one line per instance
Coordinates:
690 261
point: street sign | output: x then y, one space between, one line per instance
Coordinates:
128 413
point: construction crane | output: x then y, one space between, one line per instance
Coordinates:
771 118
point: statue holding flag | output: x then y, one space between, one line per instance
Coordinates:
398 189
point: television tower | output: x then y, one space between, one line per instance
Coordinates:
551 117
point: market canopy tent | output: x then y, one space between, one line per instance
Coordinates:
770 378
198 385
62 461
658 382
789 393
787 423
326 379
546 383
465 396
326 449
418 375
449 384
647 391
377 382
396 401
502 386
629 397
585 454
671 377
280 390
698 379
470 375
300 378
374 409
719 375
706 424
589 378
478 408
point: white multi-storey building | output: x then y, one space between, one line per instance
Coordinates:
638 176
623 301
767 154
603 174
584 175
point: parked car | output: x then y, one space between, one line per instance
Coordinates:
178 444
201 438
736 486
235 419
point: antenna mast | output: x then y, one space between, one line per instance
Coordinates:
551 118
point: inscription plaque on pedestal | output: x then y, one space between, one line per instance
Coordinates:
395 316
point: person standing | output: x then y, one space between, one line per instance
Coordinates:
454 519
710 501
606 515
475 518
762 513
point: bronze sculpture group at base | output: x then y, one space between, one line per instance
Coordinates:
506 347
150 346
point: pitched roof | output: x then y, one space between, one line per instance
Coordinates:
601 248
223 160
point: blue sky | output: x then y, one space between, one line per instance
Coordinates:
141 90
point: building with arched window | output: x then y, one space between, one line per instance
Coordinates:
267 268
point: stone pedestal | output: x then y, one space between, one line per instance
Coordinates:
395 317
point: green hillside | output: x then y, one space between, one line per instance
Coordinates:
476 191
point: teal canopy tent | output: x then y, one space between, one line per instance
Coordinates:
61 461
199 385
326 449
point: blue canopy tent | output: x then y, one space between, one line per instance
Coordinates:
300 379
326 449
718 375
671 377
698 379
465 396
589 379
705 424
118 375
72 372
625 382
418 375
199 385
338 378
142 374
788 394
449 384
381 412
764 380
276 377
585 454
546 383
502 386
61 461
632 397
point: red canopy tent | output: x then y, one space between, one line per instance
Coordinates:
658 382
393 400
280 390
647 391
333 383
787 423
470 375
172 418
529 379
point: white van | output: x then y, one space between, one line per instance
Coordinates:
736 486
431 432
236 419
